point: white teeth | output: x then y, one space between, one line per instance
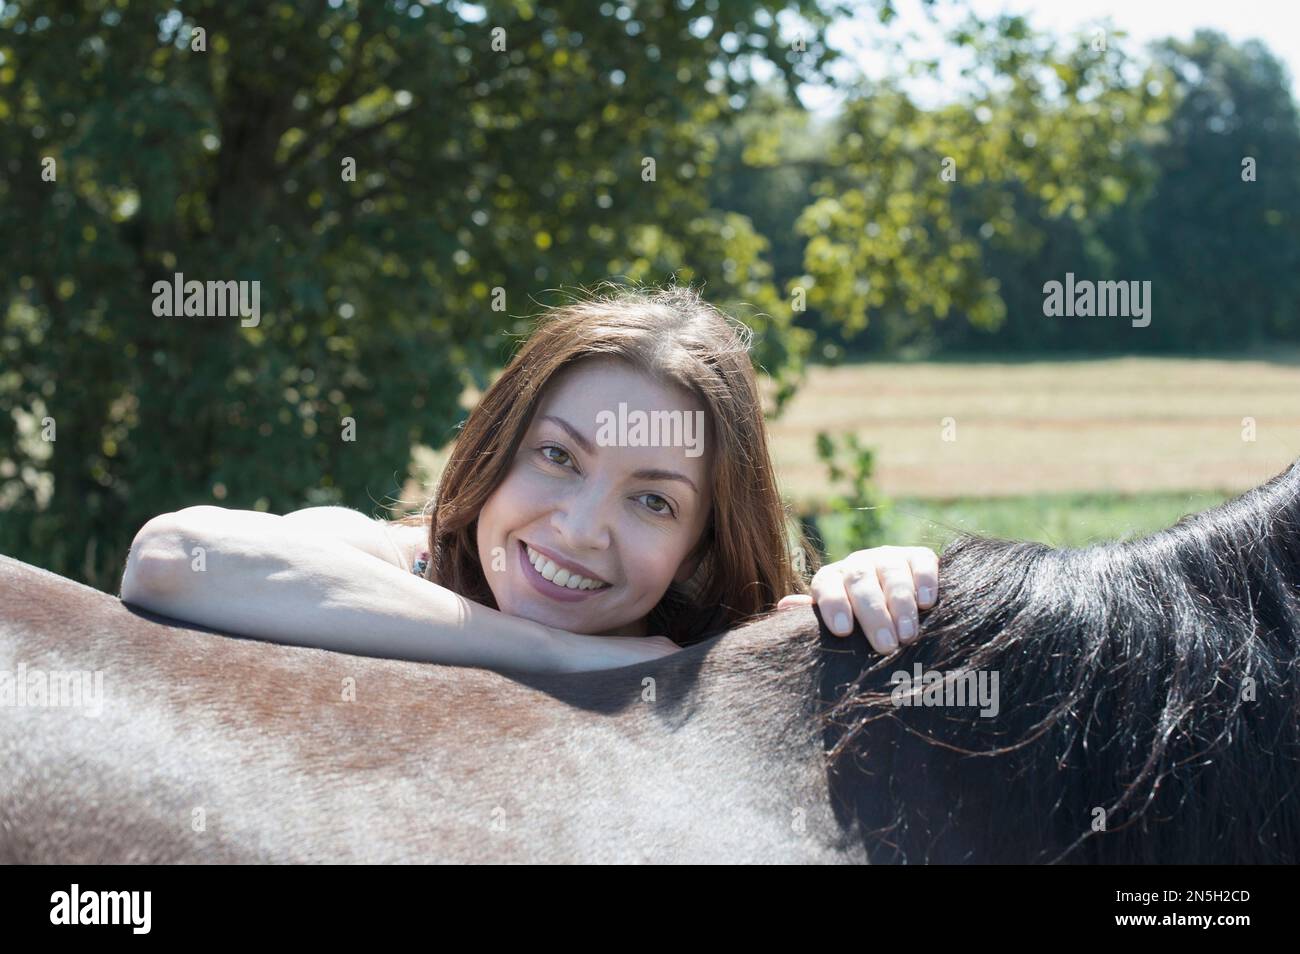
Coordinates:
558 576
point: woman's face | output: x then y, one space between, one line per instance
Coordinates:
583 495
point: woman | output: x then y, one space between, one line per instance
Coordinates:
560 538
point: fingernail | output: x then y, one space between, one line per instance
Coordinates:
886 638
926 594
906 629
842 624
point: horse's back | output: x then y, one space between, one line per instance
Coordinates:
127 738
190 746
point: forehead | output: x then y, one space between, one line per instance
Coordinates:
601 383
600 391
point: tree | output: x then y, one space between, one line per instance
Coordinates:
913 198
1220 234
496 153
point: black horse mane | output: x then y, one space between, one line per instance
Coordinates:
1148 708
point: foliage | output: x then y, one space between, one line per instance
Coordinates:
490 181
476 169
864 507
912 196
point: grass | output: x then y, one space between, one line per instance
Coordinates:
1069 520
1127 425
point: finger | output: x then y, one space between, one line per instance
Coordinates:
830 597
863 588
925 571
899 589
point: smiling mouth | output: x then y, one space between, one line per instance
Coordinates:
560 577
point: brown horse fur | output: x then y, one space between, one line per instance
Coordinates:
1148 712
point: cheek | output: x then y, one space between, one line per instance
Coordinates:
506 502
518 502
495 518
526 483
649 561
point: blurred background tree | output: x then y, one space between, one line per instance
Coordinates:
516 161
476 168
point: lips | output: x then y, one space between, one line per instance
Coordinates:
547 588
563 573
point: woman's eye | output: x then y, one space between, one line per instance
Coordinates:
655 503
559 450
667 509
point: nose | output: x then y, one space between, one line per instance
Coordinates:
580 520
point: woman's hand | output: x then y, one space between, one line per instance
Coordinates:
882 587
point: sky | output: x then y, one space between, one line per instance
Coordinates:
1275 22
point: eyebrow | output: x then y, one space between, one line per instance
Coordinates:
644 474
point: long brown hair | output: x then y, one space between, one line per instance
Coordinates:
748 548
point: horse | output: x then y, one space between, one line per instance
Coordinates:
1132 701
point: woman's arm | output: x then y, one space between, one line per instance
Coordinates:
283 579
391 542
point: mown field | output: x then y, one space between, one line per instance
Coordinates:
1066 451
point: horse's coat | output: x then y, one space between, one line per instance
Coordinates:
1148 710
219 749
